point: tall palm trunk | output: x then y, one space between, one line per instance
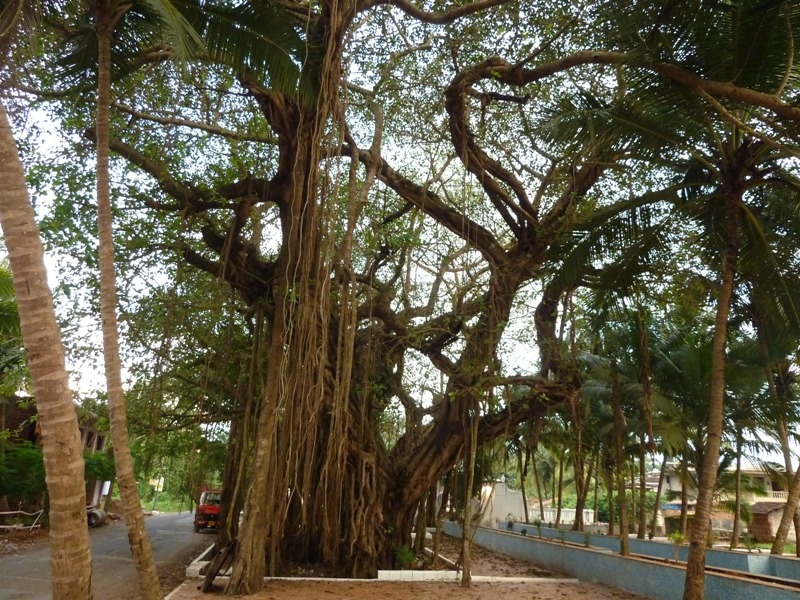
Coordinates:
642 492
578 466
149 585
684 516
619 425
522 466
596 486
538 483
560 491
737 502
632 511
608 477
70 554
778 395
790 512
695 565
788 515
659 490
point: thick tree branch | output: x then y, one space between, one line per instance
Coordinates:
436 17
430 203
502 71
487 170
213 129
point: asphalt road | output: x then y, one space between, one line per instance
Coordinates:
25 575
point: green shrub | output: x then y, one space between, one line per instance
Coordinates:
404 557
22 475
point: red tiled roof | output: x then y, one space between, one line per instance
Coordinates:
763 508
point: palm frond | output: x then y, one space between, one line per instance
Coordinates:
185 42
258 37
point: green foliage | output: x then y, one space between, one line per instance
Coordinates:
14 374
404 557
22 475
676 537
99 466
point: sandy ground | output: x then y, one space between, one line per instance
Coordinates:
547 586
393 590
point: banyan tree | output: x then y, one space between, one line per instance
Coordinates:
378 220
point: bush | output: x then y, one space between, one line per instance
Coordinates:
404 557
22 475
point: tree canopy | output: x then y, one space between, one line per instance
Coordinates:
361 239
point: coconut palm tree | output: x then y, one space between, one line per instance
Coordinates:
732 148
118 34
136 26
70 553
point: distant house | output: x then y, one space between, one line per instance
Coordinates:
21 420
766 520
765 509
672 484
18 417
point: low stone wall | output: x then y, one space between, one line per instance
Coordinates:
786 567
658 580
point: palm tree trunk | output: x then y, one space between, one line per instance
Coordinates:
659 490
695 564
619 425
794 490
560 491
778 396
70 554
538 483
596 485
642 493
788 515
684 518
632 511
149 585
578 465
583 497
608 475
523 472
737 502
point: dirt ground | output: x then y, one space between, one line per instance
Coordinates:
548 585
396 590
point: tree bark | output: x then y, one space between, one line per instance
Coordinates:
783 533
70 554
640 534
560 490
657 507
737 502
538 483
788 515
522 465
608 475
149 584
695 565
619 427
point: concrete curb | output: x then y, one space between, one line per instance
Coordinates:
405 576
455 576
193 570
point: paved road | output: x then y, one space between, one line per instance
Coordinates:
26 575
